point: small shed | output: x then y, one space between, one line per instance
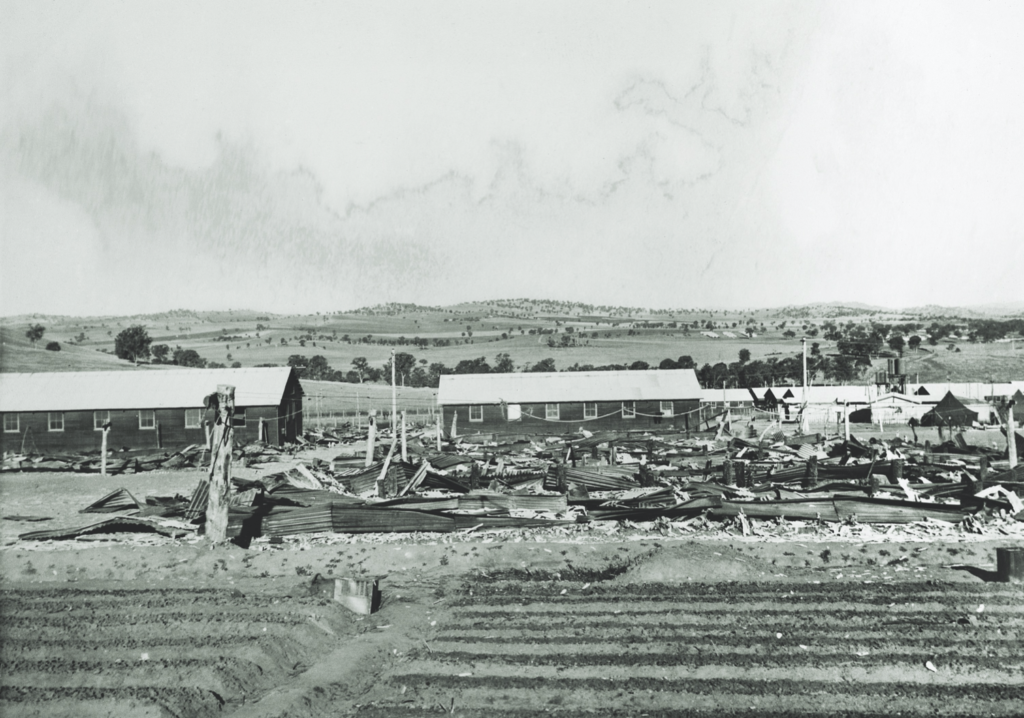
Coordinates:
146 408
560 402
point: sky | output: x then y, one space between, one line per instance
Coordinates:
322 156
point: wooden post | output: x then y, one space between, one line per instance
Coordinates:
611 454
896 471
384 471
1010 565
220 471
262 429
405 454
727 473
810 473
394 397
846 419
438 431
1011 436
371 435
159 439
455 420
103 449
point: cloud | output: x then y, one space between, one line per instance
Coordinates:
235 231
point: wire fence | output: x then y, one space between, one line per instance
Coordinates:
332 419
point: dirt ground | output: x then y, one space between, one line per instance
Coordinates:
607 620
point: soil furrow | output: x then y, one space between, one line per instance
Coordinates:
874 591
178 617
655 647
550 606
768 701
771 671
837 621
674 658
57 702
977 638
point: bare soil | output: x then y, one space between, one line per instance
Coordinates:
604 621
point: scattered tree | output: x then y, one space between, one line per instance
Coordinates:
361 367
35 333
160 353
53 346
132 344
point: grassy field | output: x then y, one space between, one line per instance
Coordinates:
974 362
227 339
473 330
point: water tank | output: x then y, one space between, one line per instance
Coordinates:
898 365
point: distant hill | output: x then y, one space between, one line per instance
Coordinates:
17 354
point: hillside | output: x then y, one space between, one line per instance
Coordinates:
522 329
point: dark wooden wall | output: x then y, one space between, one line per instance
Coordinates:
79 435
571 418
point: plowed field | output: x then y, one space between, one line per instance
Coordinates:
511 628
521 648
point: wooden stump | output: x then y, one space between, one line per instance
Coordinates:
220 466
895 471
810 473
1010 565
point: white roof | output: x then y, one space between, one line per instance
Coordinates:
717 396
138 388
971 390
570 386
827 394
894 398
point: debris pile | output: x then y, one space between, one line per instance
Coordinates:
134 461
653 482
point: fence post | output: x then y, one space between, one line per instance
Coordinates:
1011 436
103 449
371 435
405 454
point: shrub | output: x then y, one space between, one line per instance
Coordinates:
53 346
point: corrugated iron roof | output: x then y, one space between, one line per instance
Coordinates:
972 390
572 386
854 394
717 396
138 389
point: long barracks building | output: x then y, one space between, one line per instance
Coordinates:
146 408
559 402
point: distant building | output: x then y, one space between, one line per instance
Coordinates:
65 411
561 402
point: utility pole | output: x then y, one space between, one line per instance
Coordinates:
804 343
